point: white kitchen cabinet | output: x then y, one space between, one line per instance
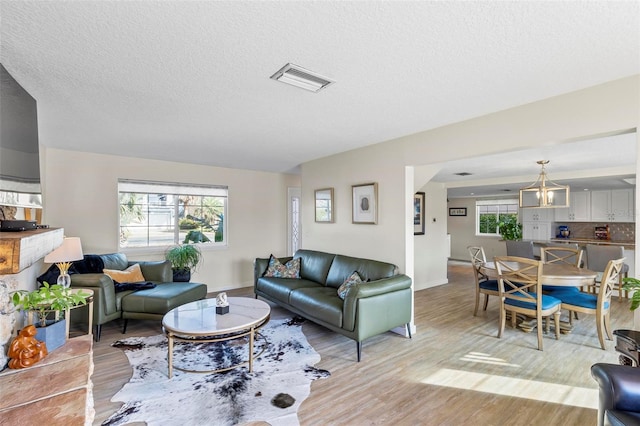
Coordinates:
616 205
536 231
579 209
536 224
622 205
536 215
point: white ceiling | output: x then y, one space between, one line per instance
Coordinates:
598 163
189 81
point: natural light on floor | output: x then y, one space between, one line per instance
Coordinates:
515 387
486 359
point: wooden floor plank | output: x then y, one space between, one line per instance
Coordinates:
454 371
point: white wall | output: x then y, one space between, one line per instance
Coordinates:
613 106
81 195
384 241
430 266
463 233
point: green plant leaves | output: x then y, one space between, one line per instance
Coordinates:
632 284
509 228
185 256
48 298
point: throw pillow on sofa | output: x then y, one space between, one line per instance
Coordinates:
276 269
133 274
353 279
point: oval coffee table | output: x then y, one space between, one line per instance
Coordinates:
197 322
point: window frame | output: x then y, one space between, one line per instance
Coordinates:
497 203
176 190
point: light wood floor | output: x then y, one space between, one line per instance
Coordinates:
454 371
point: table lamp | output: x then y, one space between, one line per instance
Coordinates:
63 256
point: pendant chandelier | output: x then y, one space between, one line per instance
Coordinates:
544 193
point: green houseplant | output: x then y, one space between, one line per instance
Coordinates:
509 228
47 301
184 259
632 284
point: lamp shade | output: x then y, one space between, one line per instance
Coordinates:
70 250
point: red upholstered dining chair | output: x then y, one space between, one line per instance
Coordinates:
484 285
520 288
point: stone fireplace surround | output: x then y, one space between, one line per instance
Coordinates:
21 255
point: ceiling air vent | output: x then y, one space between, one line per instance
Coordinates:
300 77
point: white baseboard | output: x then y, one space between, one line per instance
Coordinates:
422 286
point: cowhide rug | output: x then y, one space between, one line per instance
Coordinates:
280 381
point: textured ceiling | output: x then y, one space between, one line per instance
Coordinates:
189 80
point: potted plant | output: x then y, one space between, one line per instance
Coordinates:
510 229
44 302
184 259
632 284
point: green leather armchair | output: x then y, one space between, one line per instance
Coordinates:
109 305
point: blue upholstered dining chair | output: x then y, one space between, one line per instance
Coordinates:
484 285
520 289
598 256
567 255
598 305
564 255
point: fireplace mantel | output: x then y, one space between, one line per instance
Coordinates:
19 250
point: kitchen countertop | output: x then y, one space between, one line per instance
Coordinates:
630 245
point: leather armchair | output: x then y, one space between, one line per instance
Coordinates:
619 394
152 303
107 304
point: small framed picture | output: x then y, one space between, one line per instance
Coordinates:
457 211
324 205
418 213
365 203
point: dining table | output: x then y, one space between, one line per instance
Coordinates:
556 274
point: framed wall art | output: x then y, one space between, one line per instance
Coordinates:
324 205
418 213
457 211
365 203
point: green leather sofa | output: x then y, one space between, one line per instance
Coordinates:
381 303
152 303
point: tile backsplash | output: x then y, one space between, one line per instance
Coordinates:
617 231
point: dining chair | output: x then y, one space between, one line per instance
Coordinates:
567 255
484 285
520 249
520 290
563 255
557 254
598 256
598 305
